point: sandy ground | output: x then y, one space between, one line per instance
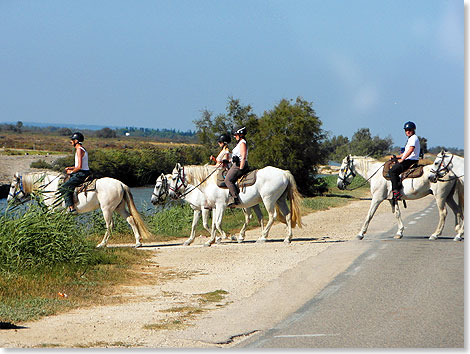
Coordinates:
262 284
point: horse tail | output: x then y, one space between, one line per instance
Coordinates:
295 200
143 231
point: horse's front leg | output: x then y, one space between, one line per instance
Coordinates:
401 227
217 214
108 218
374 204
196 216
441 207
265 232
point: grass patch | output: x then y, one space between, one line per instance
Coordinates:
213 296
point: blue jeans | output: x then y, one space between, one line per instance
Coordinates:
76 179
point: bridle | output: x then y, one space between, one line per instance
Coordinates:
17 191
443 169
162 190
348 171
180 184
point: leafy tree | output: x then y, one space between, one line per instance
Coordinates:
289 137
106 133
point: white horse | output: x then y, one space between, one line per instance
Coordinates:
110 195
449 167
201 206
272 187
413 188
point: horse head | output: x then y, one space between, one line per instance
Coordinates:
17 193
160 192
346 172
177 182
441 167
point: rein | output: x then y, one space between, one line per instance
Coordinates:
344 179
184 184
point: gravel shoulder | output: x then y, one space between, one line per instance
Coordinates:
260 285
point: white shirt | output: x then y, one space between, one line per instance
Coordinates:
236 150
84 159
413 141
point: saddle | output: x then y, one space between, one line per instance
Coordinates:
414 171
244 181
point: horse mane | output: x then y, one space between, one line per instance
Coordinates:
32 181
364 163
195 174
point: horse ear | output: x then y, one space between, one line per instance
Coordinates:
17 175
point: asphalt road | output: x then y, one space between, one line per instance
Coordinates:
406 293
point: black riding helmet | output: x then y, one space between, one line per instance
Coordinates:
409 126
224 138
240 131
77 136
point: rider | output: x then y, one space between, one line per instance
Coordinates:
78 173
239 166
223 159
405 160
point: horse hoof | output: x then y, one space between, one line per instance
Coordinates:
101 245
287 241
139 244
218 241
433 238
261 240
398 236
233 238
359 237
458 238
240 240
186 243
207 244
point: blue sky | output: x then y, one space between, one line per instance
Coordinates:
363 63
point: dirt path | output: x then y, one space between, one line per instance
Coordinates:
215 297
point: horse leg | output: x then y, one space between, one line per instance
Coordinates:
458 217
401 227
121 210
441 207
282 204
196 216
259 215
270 209
374 204
108 218
217 214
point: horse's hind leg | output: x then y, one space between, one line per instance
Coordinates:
121 209
282 204
108 218
458 217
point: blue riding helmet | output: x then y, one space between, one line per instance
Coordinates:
409 126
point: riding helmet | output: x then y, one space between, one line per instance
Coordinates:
240 131
77 136
224 138
409 126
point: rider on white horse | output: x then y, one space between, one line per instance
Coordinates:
78 173
409 157
239 166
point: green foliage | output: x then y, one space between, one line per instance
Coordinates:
289 137
172 221
137 167
41 164
361 144
40 238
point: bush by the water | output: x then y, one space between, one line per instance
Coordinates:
41 238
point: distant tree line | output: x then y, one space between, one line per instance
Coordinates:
163 135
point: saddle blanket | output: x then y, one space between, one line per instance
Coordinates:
414 171
87 186
244 181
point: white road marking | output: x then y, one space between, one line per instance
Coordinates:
304 335
412 222
372 256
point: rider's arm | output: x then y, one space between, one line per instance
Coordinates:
406 154
243 155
